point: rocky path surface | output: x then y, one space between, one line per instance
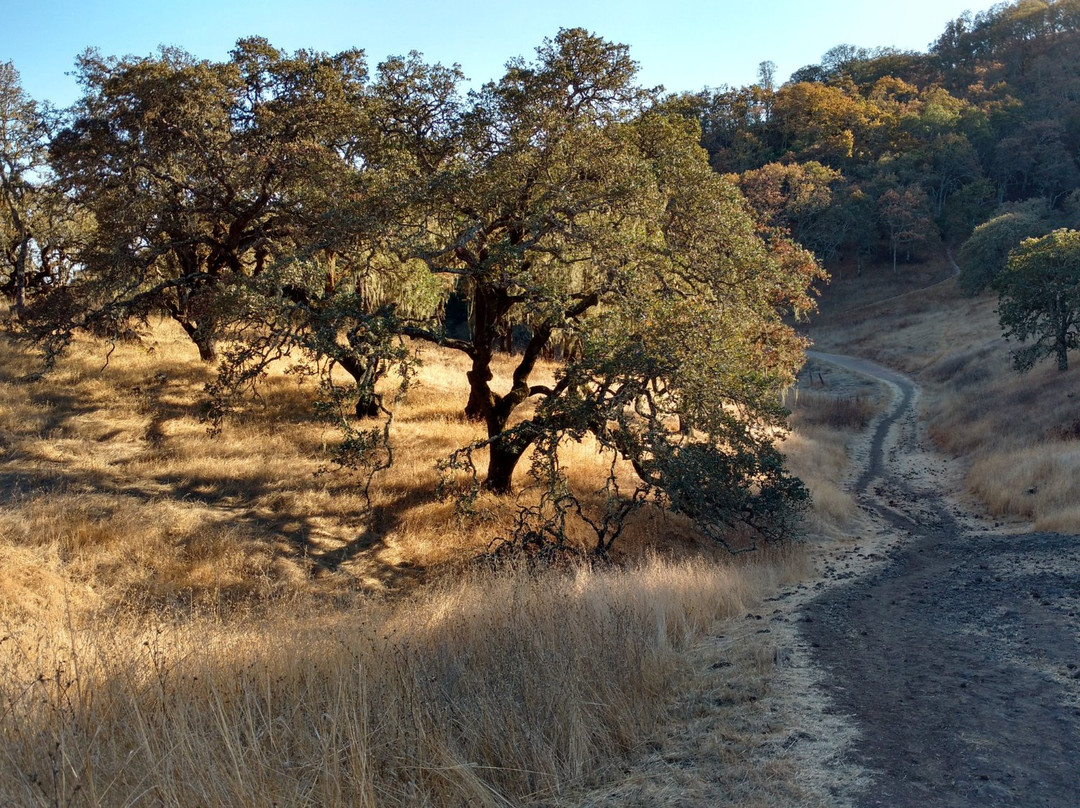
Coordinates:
954 644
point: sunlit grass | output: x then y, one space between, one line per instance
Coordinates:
491 689
197 619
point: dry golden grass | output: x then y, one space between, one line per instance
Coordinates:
203 621
490 690
849 290
1018 433
819 457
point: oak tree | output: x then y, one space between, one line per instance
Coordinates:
984 255
575 206
336 296
197 173
1039 298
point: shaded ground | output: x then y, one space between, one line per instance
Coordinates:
958 656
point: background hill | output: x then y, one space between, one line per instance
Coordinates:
875 154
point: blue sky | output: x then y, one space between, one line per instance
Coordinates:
682 44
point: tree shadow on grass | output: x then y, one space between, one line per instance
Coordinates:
250 503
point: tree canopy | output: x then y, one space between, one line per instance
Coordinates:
290 204
196 173
986 251
575 208
1039 294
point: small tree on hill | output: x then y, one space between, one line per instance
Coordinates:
1039 293
905 217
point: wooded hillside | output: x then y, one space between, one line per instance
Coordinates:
878 152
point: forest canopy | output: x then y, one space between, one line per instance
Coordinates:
926 146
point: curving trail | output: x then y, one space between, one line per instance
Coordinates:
958 658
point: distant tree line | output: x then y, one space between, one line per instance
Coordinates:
905 147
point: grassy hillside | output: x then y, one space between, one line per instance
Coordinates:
204 620
1016 433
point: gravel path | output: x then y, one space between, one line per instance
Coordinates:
958 657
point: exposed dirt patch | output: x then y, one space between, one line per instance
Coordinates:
951 643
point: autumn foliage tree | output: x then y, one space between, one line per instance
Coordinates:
988 116
905 217
797 197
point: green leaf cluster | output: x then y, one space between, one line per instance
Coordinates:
1039 298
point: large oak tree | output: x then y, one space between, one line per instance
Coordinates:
198 173
286 202
574 206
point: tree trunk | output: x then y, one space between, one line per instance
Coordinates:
1061 343
484 405
20 259
20 277
488 306
203 338
368 402
506 340
481 400
207 346
502 461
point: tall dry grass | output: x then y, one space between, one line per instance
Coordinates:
492 689
198 620
831 409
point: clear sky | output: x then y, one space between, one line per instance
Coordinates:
681 44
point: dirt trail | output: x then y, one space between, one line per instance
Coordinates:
953 644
